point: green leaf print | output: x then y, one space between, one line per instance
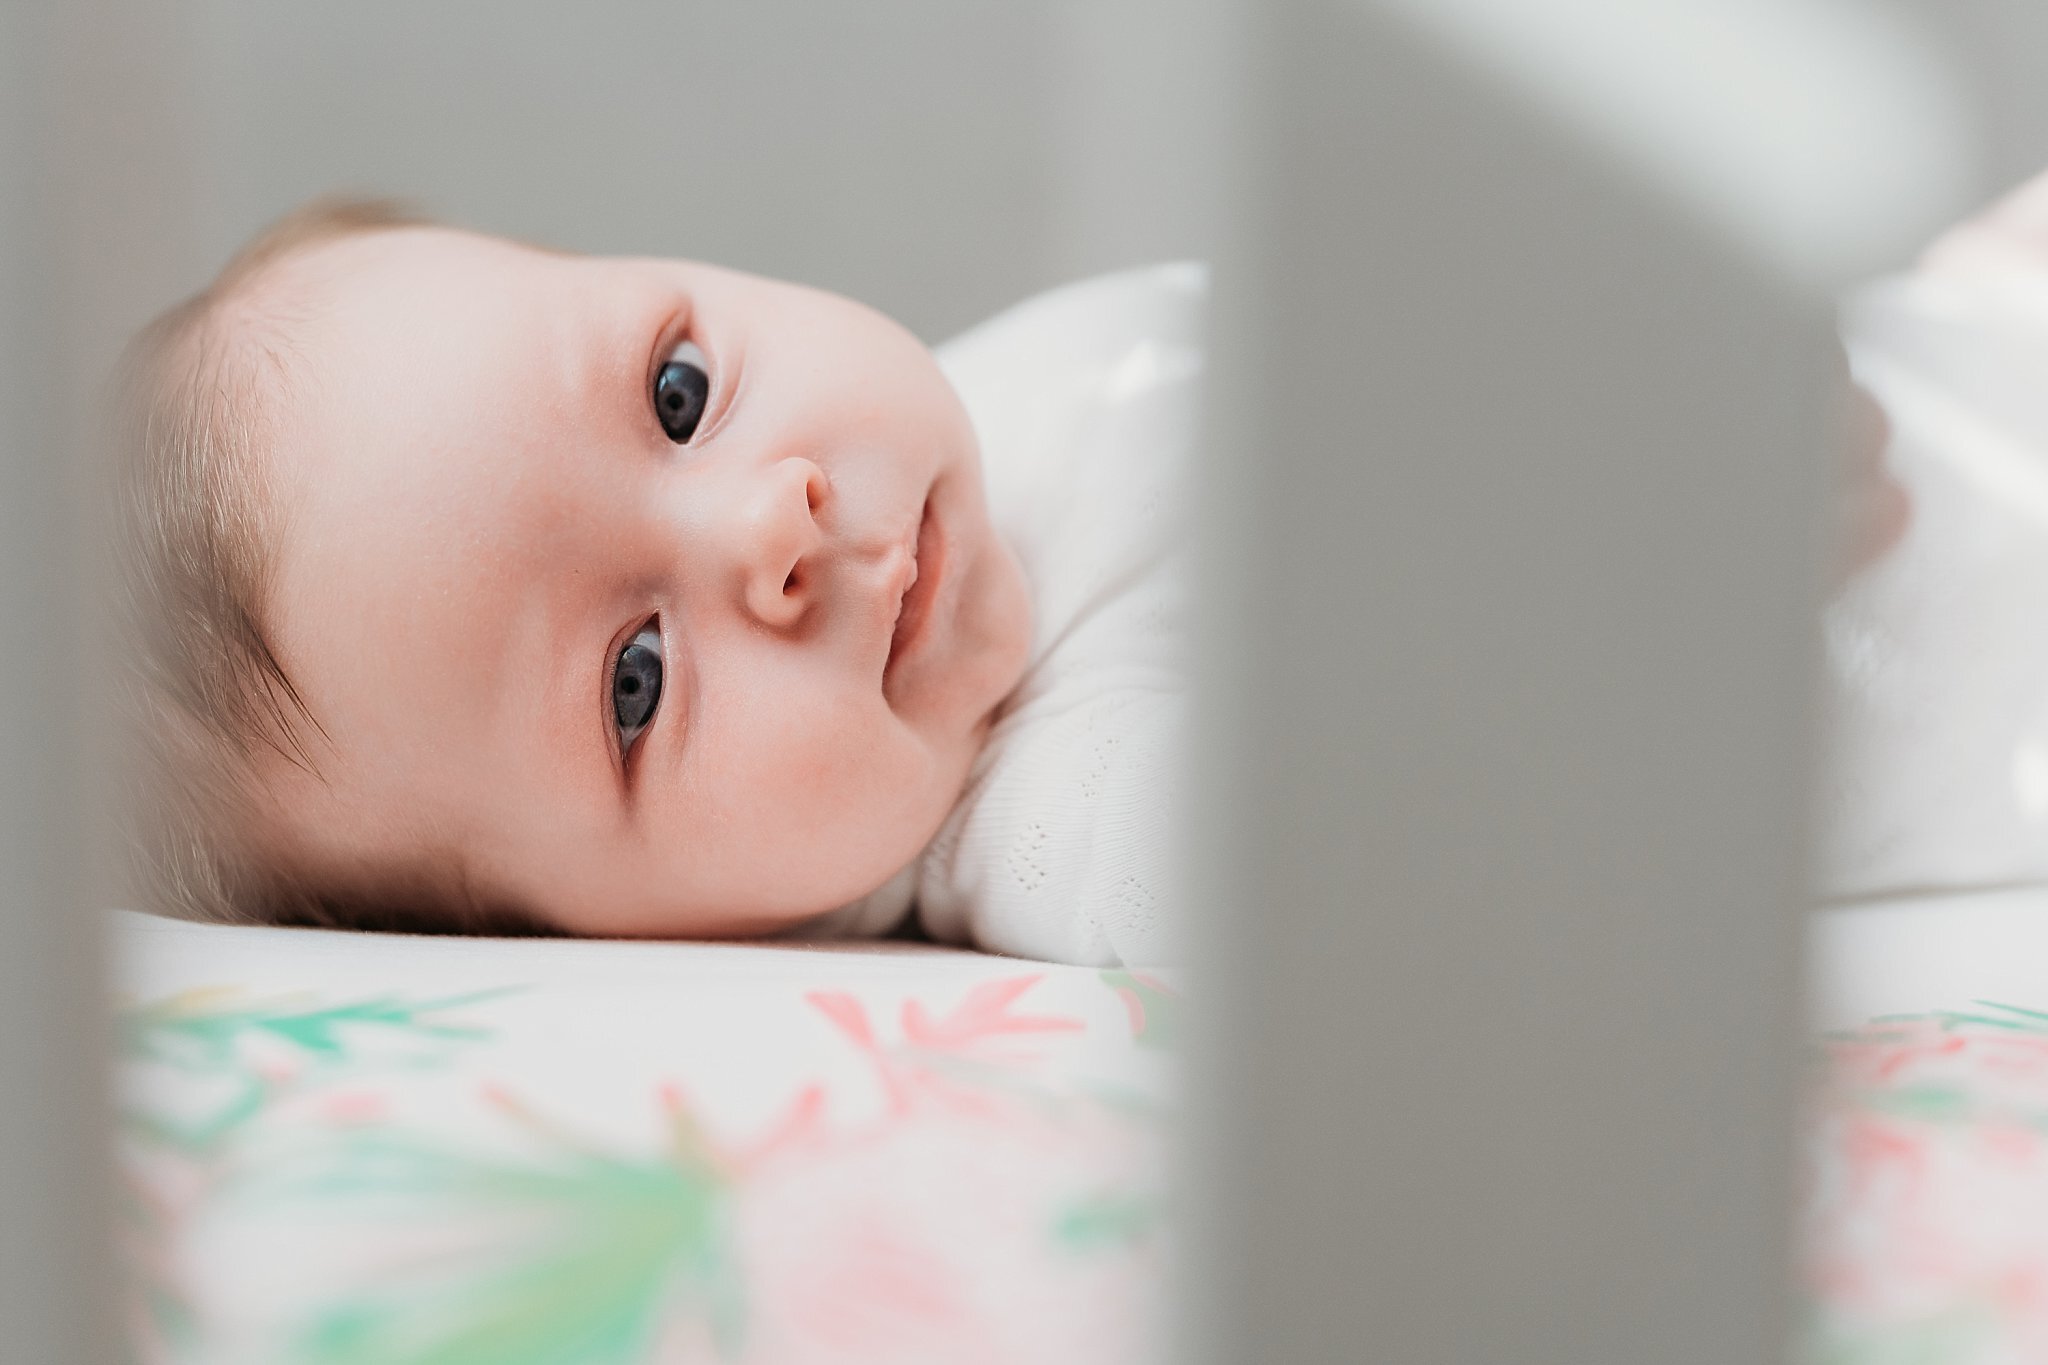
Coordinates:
1154 1007
590 1256
611 1246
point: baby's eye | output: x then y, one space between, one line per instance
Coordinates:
636 685
681 388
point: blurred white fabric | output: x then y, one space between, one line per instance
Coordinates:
1937 677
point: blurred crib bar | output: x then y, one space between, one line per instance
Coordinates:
1525 409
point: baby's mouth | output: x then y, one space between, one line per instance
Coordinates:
927 558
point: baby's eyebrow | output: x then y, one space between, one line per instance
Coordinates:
613 353
589 337
279 707
575 723
531 656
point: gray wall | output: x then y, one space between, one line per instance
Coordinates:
2003 44
935 158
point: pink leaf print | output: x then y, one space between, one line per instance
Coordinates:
852 1019
804 1123
928 1062
848 1013
985 1013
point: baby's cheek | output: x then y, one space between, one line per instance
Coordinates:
876 786
818 814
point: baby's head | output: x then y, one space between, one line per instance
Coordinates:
483 586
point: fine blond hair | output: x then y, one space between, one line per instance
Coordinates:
211 704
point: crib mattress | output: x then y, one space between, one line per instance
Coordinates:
347 1148
1924 1226
356 1148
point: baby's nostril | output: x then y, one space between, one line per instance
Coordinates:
789 583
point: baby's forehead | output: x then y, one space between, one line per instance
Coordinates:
411 335
430 392
403 379
414 359
353 298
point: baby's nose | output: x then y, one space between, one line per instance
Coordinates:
777 539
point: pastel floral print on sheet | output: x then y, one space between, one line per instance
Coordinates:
1925 1192
968 1170
961 1167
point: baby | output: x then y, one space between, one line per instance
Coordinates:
483 588
490 588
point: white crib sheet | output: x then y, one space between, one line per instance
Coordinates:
344 1148
1928 952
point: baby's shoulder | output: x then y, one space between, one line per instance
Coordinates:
1055 380
1084 328
1086 401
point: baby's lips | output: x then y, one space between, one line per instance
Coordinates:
901 575
912 608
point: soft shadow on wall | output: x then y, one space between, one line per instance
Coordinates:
935 159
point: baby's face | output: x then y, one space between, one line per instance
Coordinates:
638 684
